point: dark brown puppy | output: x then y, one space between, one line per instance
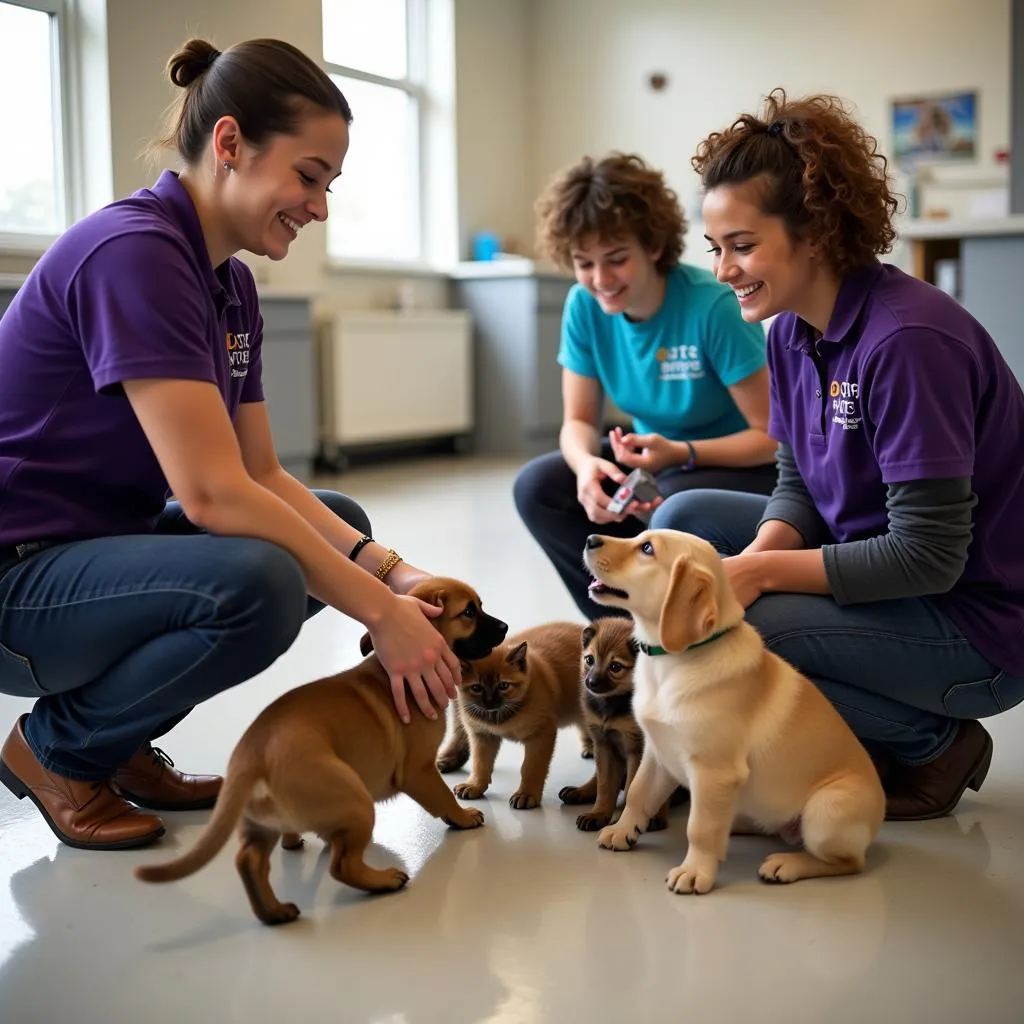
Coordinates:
320 756
606 669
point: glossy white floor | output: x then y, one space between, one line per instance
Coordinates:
522 922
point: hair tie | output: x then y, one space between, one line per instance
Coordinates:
775 128
214 54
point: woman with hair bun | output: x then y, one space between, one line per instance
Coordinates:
130 369
887 564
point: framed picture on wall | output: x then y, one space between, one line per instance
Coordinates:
940 127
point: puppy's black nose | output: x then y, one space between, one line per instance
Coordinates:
594 541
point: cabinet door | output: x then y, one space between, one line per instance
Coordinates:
289 380
548 379
547 374
992 280
289 384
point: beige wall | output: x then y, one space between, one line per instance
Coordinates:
496 119
591 59
540 82
142 37
491 38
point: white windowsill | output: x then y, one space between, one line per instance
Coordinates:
512 267
28 246
398 268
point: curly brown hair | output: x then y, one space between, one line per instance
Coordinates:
614 198
822 173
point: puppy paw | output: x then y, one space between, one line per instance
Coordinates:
469 790
658 823
451 760
283 913
617 838
390 880
592 821
574 795
780 869
520 800
468 818
690 878
291 841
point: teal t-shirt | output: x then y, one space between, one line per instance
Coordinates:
671 373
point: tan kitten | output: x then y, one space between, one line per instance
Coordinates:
525 690
455 752
606 671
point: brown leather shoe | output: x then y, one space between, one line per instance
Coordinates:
916 793
86 815
150 780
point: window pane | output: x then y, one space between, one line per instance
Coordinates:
374 205
367 35
28 177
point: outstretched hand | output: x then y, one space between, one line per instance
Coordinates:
591 493
744 575
415 654
643 451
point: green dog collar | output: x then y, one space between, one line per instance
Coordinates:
655 650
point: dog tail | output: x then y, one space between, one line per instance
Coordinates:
230 803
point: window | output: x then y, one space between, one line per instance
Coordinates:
33 179
375 54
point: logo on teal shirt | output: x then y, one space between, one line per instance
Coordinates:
680 362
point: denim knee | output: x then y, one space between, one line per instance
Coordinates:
688 511
537 483
262 603
526 486
346 508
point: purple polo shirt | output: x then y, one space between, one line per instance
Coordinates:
907 385
127 292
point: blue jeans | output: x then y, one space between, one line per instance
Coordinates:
119 638
899 672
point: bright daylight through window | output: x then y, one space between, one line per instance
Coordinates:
374 53
32 178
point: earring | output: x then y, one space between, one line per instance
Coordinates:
227 165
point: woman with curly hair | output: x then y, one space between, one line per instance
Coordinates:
664 340
889 554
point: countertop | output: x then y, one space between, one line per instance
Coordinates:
963 228
509 267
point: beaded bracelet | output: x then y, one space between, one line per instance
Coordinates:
388 564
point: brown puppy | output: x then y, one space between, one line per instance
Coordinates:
526 690
751 737
606 695
317 758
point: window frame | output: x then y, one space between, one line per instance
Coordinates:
63 67
414 86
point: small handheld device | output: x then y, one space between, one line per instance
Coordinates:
638 486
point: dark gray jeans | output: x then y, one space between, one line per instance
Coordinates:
545 496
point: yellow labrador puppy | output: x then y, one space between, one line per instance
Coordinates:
753 739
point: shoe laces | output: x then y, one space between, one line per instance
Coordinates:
161 756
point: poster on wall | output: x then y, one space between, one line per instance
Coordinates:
941 127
